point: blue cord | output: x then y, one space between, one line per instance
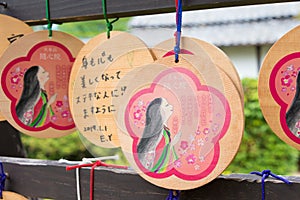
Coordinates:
2 179
265 174
173 195
178 30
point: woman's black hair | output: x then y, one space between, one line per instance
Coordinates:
30 93
153 127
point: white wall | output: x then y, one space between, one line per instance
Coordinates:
245 59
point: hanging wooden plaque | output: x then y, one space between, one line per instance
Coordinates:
11 29
89 72
278 88
35 74
175 129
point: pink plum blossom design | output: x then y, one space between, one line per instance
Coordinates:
200 142
65 114
184 145
15 79
191 159
293 88
137 115
198 132
28 114
178 163
59 104
284 89
284 73
206 131
286 81
54 118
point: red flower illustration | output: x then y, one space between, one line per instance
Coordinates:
206 131
286 81
184 145
15 79
28 114
191 159
137 115
59 104
65 114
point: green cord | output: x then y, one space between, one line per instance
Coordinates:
48 18
109 25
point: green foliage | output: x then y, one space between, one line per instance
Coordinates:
261 148
88 29
71 147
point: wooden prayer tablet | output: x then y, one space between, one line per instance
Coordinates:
35 73
279 85
109 89
194 46
7 195
11 29
176 130
89 72
221 60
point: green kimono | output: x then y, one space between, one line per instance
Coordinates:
164 159
43 113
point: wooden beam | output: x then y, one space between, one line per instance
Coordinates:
33 11
49 179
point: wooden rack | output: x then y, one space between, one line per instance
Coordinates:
33 11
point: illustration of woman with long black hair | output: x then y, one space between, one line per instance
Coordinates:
157 114
293 114
34 107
